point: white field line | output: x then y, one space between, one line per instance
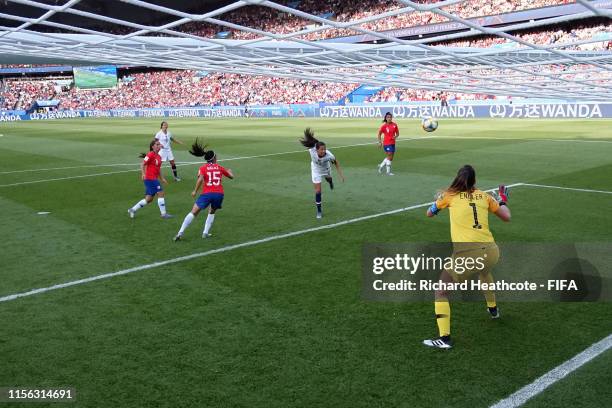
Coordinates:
214 251
182 164
585 190
530 139
67 168
66 178
531 390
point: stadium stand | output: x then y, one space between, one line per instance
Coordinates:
156 89
167 88
282 23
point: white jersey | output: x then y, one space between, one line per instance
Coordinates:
321 165
165 139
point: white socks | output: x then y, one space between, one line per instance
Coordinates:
139 205
161 203
209 222
387 163
188 218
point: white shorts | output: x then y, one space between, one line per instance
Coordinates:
166 154
317 177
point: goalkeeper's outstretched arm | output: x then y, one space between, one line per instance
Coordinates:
503 212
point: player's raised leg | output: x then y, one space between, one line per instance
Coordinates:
140 204
187 221
318 199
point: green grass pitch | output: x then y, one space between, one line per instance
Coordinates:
282 323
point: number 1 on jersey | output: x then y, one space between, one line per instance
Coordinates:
476 223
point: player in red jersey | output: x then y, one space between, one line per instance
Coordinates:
151 174
210 176
391 132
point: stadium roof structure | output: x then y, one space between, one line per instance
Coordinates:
518 68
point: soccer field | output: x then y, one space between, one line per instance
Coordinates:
274 317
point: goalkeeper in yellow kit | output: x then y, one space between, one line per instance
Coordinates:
469 218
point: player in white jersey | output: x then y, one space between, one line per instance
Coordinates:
166 139
321 160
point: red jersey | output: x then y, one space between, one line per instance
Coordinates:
213 174
389 130
152 163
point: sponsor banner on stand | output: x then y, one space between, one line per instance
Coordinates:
399 110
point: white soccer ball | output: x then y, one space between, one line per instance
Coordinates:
429 124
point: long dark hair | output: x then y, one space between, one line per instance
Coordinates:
464 182
385 117
143 155
162 124
309 140
198 149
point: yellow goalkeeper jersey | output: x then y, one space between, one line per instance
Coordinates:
469 215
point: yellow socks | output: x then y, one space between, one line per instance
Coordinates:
442 308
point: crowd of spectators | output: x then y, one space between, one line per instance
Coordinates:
558 36
20 94
562 38
556 73
158 89
279 22
393 94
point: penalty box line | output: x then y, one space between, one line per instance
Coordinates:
584 190
215 251
535 388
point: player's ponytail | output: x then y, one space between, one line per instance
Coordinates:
143 155
464 182
309 139
199 150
